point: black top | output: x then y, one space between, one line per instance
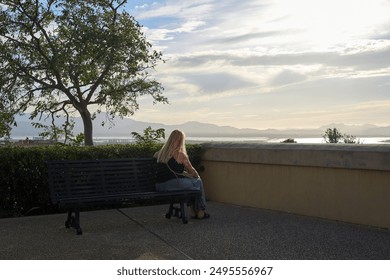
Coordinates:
164 173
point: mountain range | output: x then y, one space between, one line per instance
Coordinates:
123 128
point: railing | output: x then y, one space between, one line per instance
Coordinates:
349 183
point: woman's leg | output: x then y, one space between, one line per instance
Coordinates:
186 184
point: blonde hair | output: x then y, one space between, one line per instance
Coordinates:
175 142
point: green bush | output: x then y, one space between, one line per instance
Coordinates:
23 180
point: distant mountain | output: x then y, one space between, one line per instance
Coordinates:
205 129
123 128
360 130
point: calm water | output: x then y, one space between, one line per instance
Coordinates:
363 140
124 140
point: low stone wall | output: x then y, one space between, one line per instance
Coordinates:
341 182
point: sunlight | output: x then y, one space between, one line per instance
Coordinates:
328 24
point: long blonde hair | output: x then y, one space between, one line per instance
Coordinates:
175 142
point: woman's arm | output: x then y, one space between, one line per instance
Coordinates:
183 158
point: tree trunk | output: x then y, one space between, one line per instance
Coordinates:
88 127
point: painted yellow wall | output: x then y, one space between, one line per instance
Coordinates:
281 178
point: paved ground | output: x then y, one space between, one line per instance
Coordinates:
232 232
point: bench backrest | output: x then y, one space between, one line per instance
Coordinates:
106 177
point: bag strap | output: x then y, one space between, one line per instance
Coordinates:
184 174
173 171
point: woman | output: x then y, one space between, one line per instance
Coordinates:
175 171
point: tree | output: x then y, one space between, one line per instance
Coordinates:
150 136
289 140
332 135
69 57
350 139
335 136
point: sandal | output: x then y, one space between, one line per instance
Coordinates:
202 215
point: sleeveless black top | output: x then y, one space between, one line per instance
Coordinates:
164 173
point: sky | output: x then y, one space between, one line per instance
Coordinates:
269 63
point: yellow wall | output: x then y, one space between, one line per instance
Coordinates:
280 177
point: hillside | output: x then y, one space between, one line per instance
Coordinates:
123 128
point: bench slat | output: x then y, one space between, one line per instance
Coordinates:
76 184
104 180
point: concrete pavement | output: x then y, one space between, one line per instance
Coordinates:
232 232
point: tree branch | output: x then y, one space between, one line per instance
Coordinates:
37 23
109 64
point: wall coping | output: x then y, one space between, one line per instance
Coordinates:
347 156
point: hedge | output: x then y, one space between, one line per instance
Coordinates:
23 180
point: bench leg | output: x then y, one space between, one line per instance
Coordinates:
184 212
77 222
70 220
173 211
181 212
74 221
169 214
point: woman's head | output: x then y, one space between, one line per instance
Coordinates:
175 142
176 139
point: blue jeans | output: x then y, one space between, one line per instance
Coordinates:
185 184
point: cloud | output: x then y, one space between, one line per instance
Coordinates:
217 82
287 77
176 9
276 58
162 34
244 38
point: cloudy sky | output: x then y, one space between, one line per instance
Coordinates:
269 63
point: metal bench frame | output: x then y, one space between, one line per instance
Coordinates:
77 185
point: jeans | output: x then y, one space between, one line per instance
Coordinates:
185 184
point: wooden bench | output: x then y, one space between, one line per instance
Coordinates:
77 185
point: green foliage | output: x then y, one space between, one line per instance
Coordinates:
335 136
59 57
23 180
150 136
289 140
195 155
332 135
55 133
78 140
350 139
6 120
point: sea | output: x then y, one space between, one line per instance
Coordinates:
200 140
362 140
